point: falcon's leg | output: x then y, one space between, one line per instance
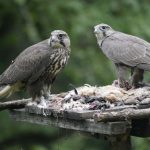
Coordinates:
137 76
41 101
47 92
121 70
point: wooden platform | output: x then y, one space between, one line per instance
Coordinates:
88 125
118 133
120 114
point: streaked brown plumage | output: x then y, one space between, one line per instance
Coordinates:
125 51
37 67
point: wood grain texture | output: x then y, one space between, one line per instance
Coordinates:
110 128
126 114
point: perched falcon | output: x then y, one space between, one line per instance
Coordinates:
126 51
36 67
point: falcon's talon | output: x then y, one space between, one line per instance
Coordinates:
48 97
115 83
127 85
43 112
42 102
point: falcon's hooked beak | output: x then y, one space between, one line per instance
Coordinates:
96 30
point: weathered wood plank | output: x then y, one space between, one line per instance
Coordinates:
88 114
126 114
77 115
110 128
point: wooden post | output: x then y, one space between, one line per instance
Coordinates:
121 142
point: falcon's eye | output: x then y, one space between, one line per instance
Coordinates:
103 27
60 36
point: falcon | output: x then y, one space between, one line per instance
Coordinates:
125 51
36 68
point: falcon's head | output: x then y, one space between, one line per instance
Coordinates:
101 31
59 39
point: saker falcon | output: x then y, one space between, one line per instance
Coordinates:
126 51
37 67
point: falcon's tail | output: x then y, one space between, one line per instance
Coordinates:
7 90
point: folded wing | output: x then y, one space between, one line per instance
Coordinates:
127 49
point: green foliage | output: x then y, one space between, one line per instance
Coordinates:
24 22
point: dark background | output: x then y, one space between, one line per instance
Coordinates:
25 22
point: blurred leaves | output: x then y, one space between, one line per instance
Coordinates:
25 22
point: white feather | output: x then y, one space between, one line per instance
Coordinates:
6 91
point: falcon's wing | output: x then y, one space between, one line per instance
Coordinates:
126 49
29 64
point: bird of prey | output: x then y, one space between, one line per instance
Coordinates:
37 67
126 51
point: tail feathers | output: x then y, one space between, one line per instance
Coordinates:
6 91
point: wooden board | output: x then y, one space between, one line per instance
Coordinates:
88 125
76 115
70 114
